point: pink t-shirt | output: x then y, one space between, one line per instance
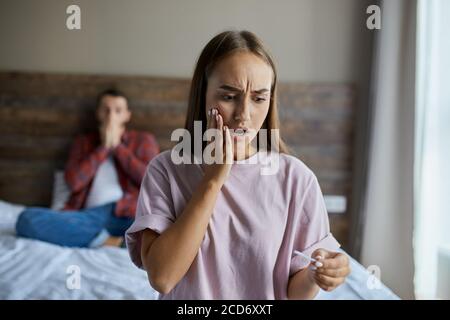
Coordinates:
257 223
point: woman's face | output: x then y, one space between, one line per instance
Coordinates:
239 87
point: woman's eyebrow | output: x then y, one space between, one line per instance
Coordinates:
234 89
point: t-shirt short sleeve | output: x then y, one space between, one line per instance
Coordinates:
154 210
312 229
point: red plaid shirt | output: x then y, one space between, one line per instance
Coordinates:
131 157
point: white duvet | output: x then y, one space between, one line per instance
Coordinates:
31 269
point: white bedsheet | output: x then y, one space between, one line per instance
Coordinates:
31 269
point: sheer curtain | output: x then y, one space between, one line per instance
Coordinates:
387 237
432 136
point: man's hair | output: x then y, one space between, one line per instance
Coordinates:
110 92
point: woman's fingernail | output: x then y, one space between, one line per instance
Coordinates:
319 264
319 258
313 268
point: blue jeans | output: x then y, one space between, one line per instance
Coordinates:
83 228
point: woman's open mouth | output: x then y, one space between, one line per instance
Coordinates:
239 133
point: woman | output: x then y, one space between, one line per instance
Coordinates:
224 230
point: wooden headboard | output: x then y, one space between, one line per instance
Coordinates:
40 113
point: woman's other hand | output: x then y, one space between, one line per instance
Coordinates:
331 269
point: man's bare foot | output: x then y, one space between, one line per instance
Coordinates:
113 242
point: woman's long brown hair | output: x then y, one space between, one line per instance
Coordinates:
218 48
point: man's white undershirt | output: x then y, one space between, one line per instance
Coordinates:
105 187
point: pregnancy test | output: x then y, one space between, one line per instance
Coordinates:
310 259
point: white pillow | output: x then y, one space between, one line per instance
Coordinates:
61 191
9 212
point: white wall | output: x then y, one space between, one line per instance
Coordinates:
312 40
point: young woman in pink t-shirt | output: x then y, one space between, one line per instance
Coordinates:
227 230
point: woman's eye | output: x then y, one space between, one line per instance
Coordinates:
227 97
260 99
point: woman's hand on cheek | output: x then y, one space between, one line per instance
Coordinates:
219 170
331 269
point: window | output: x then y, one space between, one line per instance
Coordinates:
432 157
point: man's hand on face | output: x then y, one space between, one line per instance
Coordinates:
112 114
111 134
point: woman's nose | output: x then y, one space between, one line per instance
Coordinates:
243 111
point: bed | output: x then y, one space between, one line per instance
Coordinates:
31 269
40 113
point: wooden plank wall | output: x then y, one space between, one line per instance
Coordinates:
40 114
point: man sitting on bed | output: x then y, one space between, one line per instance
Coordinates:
104 173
